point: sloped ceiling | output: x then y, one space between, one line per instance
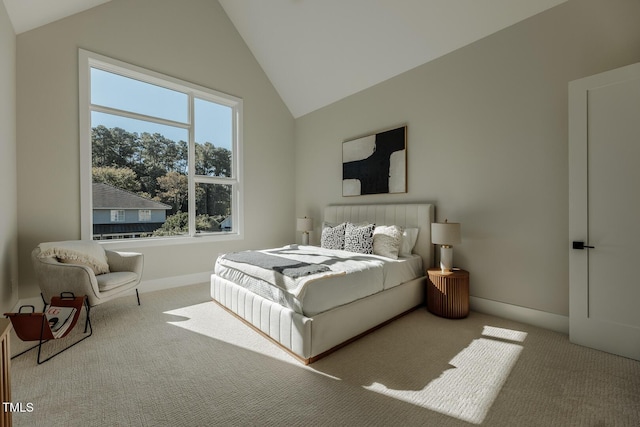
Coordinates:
26 15
319 51
316 52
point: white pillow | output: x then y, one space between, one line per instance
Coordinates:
84 252
387 240
409 237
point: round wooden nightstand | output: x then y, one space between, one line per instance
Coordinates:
448 293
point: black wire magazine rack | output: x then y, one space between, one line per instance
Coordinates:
34 326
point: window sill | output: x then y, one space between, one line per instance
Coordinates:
116 244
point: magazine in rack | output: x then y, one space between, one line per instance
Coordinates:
59 319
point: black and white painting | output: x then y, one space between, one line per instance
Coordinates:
375 164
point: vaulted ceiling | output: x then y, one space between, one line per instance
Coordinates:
316 52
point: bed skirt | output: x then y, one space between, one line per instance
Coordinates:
310 338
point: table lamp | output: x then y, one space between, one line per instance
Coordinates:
305 225
446 234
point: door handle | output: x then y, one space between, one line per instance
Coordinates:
581 245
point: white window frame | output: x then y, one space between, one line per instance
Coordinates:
117 215
144 215
88 60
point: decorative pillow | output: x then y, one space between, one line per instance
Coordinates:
332 236
409 237
87 253
387 240
359 238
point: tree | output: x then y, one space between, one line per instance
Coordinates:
112 147
156 151
206 223
153 165
214 199
178 224
174 189
123 178
212 161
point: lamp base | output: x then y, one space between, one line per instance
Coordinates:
305 238
446 258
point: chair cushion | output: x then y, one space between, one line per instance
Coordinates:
109 281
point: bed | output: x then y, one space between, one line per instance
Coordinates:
309 329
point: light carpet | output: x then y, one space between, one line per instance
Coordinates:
181 360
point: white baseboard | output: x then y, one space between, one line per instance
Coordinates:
145 286
542 319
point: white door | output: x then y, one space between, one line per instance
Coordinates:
604 211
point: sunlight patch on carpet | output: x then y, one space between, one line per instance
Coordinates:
468 390
210 320
505 334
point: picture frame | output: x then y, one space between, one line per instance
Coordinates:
375 163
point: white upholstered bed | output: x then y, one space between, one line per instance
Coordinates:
312 335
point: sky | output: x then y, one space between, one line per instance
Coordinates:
212 121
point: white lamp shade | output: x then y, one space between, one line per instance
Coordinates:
304 224
445 233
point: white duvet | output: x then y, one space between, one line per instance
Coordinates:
351 276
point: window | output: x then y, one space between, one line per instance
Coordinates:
161 146
144 215
117 215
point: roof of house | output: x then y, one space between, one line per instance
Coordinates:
107 196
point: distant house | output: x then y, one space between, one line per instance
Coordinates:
226 225
121 214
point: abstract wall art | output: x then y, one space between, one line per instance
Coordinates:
375 164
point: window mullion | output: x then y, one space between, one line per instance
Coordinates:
192 168
138 116
237 195
214 180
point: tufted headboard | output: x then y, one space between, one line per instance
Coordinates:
419 215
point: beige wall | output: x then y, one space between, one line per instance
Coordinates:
8 172
198 44
487 135
487 143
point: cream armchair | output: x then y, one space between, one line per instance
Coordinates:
85 268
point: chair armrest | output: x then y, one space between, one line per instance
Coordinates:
125 261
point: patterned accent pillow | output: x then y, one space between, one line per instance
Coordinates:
387 240
359 238
332 236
